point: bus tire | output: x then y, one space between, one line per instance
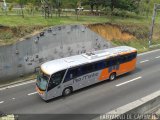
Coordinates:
47 101
112 76
67 91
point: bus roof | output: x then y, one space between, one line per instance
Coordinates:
65 63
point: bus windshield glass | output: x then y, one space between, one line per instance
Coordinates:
42 80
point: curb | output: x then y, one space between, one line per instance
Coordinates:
16 82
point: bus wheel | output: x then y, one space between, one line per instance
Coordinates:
67 91
112 76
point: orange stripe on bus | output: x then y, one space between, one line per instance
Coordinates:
126 67
123 68
39 91
104 74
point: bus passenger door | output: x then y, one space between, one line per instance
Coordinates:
114 66
123 64
68 79
74 78
54 86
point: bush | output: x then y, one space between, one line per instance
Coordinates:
123 13
6 35
10 7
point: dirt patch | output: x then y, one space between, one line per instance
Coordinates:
9 35
111 32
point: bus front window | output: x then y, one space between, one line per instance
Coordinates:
42 81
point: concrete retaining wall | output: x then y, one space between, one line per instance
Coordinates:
56 42
137 110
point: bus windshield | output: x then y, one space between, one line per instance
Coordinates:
42 80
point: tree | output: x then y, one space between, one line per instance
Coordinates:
35 4
58 4
46 9
76 4
93 3
22 3
4 6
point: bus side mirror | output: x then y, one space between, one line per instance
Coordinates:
37 69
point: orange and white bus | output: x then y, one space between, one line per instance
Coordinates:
65 75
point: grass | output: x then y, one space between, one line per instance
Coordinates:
13 20
41 21
140 45
138 26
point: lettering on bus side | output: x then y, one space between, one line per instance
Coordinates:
88 76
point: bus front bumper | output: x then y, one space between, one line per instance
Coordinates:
42 94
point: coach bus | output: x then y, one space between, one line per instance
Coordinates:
65 75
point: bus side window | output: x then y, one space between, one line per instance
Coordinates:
134 55
131 56
89 68
68 76
56 79
119 60
124 58
71 74
101 65
107 63
113 62
84 70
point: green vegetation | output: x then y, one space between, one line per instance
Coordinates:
18 27
24 17
38 20
123 8
41 21
140 45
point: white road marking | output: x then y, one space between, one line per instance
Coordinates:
32 93
13 98
2 89
1 102
128 81
16 85
157 57
144 61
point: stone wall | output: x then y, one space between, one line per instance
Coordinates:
56 42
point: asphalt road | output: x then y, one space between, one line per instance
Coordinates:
89 102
